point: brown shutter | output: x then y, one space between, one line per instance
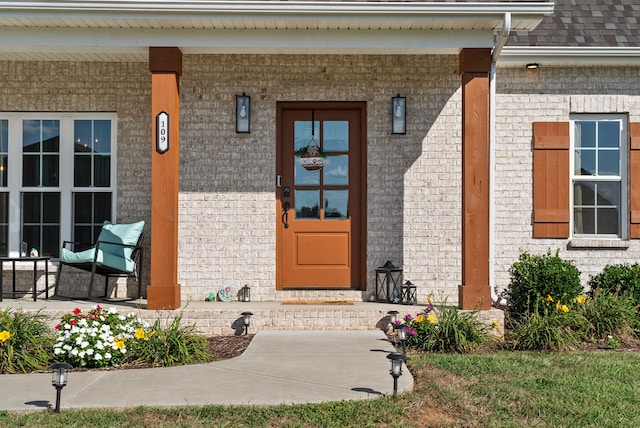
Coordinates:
551 180
634 177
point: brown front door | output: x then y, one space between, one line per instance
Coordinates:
320 214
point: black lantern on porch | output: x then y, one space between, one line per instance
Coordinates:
409 293
388 283
245 294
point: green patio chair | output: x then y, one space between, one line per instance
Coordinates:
116 253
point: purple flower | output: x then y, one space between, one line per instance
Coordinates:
408 317
428 308
410 331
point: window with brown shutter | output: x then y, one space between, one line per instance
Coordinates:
634 183
551 147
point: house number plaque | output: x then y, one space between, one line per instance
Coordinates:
162 132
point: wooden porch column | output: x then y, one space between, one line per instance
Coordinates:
475 291
165 65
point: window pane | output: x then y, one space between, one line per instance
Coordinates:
84 235
51 241
102 171
584 221
584 194
102 136
336 171
4 152
50 136
585 162
608 194
335 136
302 133
307 204
4 224
50 171
102 207
609 134
31 134
31 235
31 207
82 171
30 170
82 208
4 170
51 207
302 177
609 162
336 204
585 134
608 221
82 136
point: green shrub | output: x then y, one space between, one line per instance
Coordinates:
618 278
535 277
610 314
550 326
447 329
172 345
25 342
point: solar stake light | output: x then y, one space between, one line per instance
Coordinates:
246 320
393 316
397 359
59 380
401 334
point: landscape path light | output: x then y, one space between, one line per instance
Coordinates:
246 320
397 359
401 334
59 380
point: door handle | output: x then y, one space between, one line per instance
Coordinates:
286 206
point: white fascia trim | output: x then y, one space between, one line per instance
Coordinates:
280 7
516 56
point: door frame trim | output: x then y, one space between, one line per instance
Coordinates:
361 107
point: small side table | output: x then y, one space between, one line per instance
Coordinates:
33 260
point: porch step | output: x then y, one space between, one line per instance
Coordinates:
225 318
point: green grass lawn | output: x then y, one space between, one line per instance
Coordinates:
501 389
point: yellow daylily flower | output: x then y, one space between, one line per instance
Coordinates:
4 335
430 298
564 308
432 319
140 334
495 324
119 342
420 318
549 298
581 299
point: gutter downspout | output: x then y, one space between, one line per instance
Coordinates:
500 42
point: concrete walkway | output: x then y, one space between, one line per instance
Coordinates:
278 367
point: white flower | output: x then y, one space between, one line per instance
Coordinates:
97 357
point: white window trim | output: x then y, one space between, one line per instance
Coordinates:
624 176
65 185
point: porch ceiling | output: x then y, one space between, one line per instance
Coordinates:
123 30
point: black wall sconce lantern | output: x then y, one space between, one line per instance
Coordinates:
399 115
243 114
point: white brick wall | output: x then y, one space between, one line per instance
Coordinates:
227 193
549 94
